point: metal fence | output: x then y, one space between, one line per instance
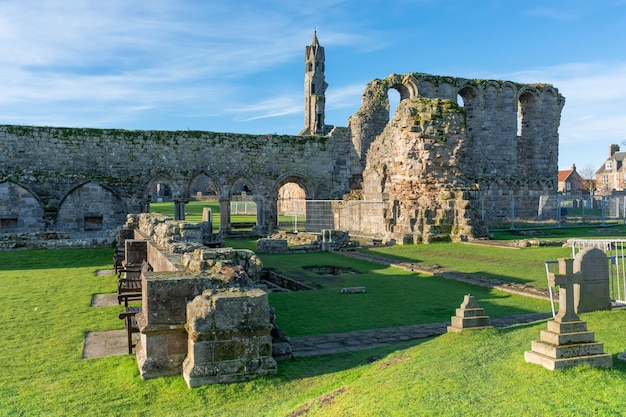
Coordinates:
360 218
238 208
615 250
527 212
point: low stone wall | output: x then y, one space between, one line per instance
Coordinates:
204 313
284 242
49 240
285 282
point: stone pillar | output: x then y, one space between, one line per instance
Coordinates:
162 343
124 234
594 293
224 216
145 205
207 224
179 208
136 251
260 226
229 337
327 240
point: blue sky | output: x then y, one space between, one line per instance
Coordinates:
211 65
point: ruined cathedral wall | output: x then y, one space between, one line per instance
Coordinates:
53 166
50 159
511 142
451 141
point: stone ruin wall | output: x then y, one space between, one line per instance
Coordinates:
85 181
57 179
435 157
204 312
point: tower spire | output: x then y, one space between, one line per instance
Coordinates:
314 88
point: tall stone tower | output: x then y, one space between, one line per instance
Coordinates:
314 89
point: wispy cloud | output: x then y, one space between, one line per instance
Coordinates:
143 55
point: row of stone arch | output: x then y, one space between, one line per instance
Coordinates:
486 92
211 185
93 207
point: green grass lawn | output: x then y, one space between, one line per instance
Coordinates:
517 265
193 213
46 312
393 297
564 233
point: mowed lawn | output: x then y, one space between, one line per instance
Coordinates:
525 265
46 312
392 297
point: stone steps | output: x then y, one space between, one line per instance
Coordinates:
567 351
598 360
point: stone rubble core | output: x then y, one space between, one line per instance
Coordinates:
205 313
469 317
228 337
567 342
414 176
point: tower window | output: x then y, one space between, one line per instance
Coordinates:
312 87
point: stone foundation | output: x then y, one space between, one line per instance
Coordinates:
284 242
228 337
201 307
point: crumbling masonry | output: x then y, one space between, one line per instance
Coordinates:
449 140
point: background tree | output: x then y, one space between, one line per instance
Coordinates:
588 174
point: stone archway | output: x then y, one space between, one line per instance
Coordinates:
20 210
91 208
290 202
162 188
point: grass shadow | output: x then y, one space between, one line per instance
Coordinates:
54 258
312 366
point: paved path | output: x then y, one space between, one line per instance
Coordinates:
366 339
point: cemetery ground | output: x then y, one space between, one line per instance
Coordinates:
46 297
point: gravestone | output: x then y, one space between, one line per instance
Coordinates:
469 316
567 342
593 293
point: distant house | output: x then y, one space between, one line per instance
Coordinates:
570 182
611 176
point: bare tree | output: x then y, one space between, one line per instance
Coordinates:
588 174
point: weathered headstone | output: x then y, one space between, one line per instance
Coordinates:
469 316
567 342
593 293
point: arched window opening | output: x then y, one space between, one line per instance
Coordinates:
527 106
519 119
203 188
243 208
162 192
394 101
459 100
291 206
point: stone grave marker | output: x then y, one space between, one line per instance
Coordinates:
593 293
567 342
469 316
